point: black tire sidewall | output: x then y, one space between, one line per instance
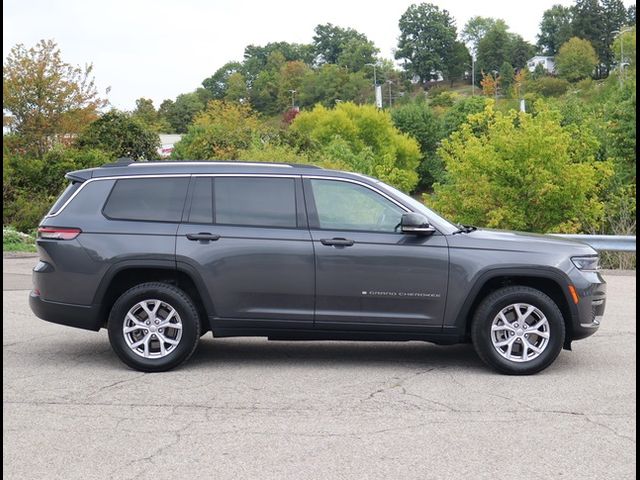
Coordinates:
491 306
172 296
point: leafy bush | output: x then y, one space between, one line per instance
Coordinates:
121 135
14 241
362 138
522 172
441 97
31 185
219 133
418 121
548 86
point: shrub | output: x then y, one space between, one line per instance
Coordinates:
549 86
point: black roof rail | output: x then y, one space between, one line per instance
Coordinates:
121 162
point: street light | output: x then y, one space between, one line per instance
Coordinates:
375 82
390 82
293 101
621 64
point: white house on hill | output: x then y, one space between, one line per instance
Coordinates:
548 63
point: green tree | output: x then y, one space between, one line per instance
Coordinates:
331 84
357 53
519 51
499 46
49 99
362 139
147 114
576 59
181 113
522 172
218 83
418 121
476 28
625 44
343 46
596 21
555 29
427 35
236 88
459 113
257 57
457 62
219 133
507 73
121 135
493 49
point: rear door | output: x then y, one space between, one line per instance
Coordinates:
248 238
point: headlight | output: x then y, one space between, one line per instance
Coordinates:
586 263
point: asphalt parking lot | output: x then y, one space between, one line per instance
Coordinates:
249 408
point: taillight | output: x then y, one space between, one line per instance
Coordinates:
55 233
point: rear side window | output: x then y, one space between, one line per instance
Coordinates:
66 195
260 202
147 199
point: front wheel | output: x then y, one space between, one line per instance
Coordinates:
154 327
518 330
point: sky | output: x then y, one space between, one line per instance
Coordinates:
160 48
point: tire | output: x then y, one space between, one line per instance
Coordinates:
141 346
497 324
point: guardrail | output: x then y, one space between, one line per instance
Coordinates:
604 243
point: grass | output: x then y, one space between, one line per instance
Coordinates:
14 241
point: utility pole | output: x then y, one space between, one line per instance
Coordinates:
293 99
390 101
473 74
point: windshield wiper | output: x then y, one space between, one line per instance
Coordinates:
465 229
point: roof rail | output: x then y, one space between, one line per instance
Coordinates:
121 162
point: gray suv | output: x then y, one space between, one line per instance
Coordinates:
161 253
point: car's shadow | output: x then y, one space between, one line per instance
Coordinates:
216 352
334 354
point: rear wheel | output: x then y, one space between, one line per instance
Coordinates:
518 330
154 327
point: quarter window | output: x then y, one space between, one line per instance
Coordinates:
147 199
349 206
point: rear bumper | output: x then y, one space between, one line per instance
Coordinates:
79 316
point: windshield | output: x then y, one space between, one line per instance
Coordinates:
436 220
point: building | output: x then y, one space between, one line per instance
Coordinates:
548 63
167 142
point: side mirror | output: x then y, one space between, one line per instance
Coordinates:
415 223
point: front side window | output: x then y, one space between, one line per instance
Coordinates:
147 199
349 206
254 201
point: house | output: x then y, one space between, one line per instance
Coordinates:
548 63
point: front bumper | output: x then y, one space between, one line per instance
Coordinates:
592 301
79 316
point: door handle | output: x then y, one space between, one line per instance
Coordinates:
337 242
203 236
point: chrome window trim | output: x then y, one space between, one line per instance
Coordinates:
267 175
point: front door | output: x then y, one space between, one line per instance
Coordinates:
247 236
368 274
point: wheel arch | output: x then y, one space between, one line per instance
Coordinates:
551 282
124 275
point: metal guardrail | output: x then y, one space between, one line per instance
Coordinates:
604 243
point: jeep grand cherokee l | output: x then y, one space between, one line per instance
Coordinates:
161 253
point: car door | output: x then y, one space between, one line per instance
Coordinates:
368 274
247 237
